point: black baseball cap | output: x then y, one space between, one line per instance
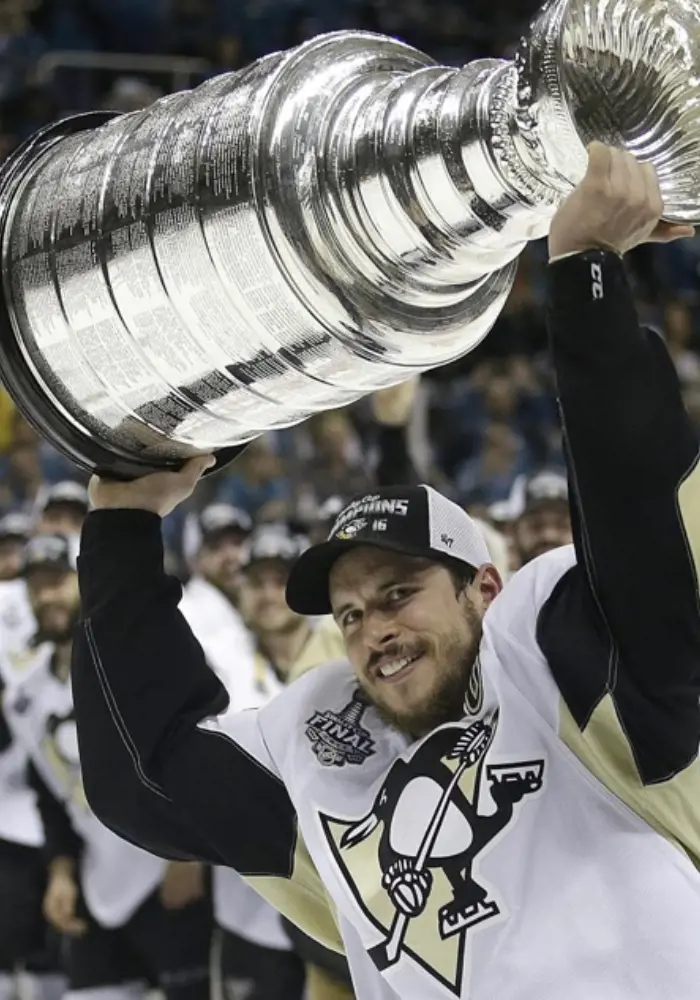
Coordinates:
414 520
273 541
49 552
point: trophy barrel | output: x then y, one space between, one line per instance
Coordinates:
235 258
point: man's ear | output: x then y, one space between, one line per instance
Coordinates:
486 585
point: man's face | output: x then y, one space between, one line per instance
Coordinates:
54 598
219 561
411 638
263 603
61 519
11 550
542 529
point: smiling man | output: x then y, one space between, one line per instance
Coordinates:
399 573
498 794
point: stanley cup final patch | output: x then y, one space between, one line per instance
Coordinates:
339 738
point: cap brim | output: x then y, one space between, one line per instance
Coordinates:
307 587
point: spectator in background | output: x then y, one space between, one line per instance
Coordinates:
15 532
256 483
62 508
103 893
490 476
470 418
678 328
545 520
282 637
287 645
213 542
334 460
23 480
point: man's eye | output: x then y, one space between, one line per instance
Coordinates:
349 618
397 594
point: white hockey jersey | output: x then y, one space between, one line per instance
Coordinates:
227 643
545 846
20 822
485 861
17 623
116 877
230 651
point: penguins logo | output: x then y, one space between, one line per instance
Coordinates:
410 862
352 529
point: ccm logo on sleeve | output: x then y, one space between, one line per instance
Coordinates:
596 281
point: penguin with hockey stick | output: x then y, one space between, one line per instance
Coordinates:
454 820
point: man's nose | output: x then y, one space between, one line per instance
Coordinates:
380 630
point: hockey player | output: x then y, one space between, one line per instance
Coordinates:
214 541
102 892
25 942
255 954
497 796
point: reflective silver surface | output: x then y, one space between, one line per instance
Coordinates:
324 223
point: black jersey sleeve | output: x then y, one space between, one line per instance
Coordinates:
395 464
625 623
159 767
141 687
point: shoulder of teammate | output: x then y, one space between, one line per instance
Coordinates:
324 646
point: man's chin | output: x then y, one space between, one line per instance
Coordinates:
407 713
419 706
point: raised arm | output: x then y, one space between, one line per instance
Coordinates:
635 486
155 771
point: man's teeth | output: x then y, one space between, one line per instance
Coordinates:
389 669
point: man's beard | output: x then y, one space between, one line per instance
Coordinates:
47 632
446 703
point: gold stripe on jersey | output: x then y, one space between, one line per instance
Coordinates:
689 510
302 898
671 807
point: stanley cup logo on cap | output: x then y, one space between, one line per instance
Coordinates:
269 246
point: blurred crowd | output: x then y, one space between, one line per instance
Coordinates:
478 428
484 431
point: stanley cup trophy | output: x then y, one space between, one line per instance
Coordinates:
329 221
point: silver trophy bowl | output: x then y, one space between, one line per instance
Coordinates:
327 222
